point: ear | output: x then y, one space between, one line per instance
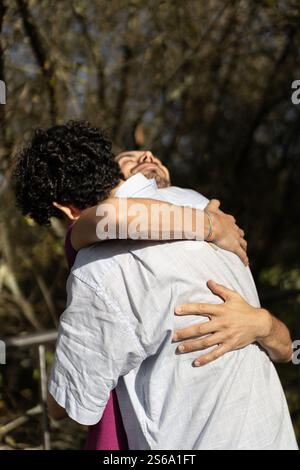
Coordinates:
70 211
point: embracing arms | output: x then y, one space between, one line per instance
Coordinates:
159 221
234 324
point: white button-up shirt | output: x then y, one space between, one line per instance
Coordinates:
117 331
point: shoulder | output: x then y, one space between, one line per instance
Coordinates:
184 196
96 264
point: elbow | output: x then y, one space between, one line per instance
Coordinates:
56 415
287 358
286 355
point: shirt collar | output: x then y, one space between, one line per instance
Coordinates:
134 185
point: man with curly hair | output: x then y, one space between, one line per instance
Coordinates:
116 331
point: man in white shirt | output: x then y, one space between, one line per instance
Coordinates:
117 332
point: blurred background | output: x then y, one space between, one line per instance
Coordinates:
206 85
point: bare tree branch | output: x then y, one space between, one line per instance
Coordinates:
12 283
40 54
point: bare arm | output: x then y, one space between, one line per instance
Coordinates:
55 411
159 221
277 343
233 325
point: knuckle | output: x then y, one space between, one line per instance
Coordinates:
230 336
182 308
199 330
212 357
188 347
205 360
205 344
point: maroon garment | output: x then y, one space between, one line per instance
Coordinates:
109 432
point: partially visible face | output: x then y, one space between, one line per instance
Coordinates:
143 161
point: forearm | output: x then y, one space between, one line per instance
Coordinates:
140 219
277 342
159 220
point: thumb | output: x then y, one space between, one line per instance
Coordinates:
220 290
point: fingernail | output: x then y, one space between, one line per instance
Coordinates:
197 363
175 337
178 310
181 348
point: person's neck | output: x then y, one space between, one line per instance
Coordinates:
114 190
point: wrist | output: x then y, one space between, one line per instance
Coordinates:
209 227
265 324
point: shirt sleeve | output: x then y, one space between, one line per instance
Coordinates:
95 346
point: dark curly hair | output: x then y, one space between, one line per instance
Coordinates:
69 164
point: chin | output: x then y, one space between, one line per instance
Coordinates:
161 180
